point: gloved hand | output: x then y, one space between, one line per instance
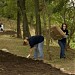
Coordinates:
28 55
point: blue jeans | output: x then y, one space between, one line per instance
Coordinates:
62 50
39 51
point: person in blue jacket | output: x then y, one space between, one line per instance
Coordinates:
36 43
62 42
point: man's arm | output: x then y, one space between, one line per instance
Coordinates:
30 51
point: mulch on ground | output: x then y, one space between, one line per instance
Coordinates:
11 64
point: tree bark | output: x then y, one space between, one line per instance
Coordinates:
31 20
64 14
18 20
72 30
38 22
26 32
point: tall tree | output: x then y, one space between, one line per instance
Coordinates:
18 20
38 22
25 22
26 32
72 27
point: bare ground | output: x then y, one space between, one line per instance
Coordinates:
15 65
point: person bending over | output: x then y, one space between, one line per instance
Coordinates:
36 43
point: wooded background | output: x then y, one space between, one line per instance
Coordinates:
40 14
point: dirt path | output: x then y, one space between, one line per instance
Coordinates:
14 65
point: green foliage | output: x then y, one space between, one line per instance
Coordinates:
9 9
49 1
3 3
60 5
29 7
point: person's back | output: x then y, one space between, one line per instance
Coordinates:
35 40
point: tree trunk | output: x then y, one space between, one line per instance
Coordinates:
72 30
26 32
48 38
38 22
47 30
44 14
31 20
64 14
18 21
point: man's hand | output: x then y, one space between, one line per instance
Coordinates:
28 55
30 52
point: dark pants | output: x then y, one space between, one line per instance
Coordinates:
62 50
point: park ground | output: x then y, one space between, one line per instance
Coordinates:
15 46
17 64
